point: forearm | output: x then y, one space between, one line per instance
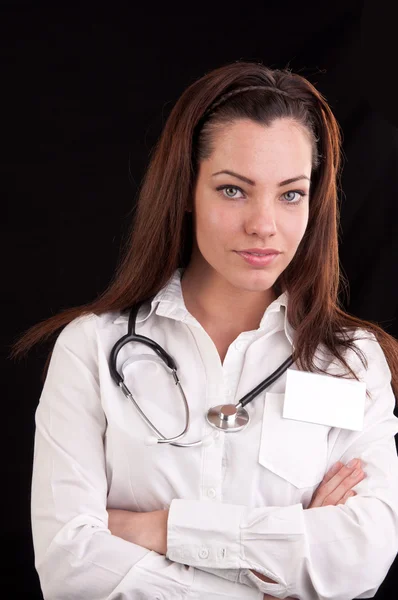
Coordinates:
146 529
149 530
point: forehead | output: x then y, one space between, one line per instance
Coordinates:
254 149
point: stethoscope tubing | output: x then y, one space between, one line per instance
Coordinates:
131 336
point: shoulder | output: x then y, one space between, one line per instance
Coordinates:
366 341
80 344
375 372
86 329
364 356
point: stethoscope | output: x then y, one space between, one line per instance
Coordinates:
226 417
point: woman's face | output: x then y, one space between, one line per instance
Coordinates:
231 214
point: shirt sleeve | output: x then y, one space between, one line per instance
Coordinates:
76 556
336 552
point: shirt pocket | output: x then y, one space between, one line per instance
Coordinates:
294 450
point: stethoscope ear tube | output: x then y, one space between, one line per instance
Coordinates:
267 382
131 336
117 378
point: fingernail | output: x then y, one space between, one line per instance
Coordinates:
352 463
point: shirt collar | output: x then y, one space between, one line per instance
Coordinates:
169 302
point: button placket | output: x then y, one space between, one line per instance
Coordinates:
211 473
232 373
212 468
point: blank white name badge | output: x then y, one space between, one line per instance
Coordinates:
324 399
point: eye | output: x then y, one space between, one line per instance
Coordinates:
301 194
229 188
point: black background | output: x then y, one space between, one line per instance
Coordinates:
74 151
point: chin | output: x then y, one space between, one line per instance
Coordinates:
254 282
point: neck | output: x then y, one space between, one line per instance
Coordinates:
214 302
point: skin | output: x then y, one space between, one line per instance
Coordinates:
219 287
149 529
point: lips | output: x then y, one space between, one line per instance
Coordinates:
264 259
260 251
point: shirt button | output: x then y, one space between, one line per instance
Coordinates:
204 553
211 492
216 435
240 345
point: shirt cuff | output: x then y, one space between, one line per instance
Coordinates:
201 533
230 536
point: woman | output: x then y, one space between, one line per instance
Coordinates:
233 266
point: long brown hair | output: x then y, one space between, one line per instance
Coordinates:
161 235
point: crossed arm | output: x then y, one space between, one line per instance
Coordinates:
74 549
147 529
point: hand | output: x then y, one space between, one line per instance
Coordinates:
149 529
268 580
335 487
146 529
268 597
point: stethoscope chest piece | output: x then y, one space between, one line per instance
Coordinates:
228 417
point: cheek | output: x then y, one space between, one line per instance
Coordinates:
295 227
216 219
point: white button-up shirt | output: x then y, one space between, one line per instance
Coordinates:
236 505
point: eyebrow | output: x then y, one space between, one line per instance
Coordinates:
251 182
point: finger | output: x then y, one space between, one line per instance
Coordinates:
317 498
331 491
339 478
345 486
332 471
339 465
346 496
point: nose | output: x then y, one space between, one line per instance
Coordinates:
261 220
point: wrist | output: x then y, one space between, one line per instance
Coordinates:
124 524
263 577
146 529
158 541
